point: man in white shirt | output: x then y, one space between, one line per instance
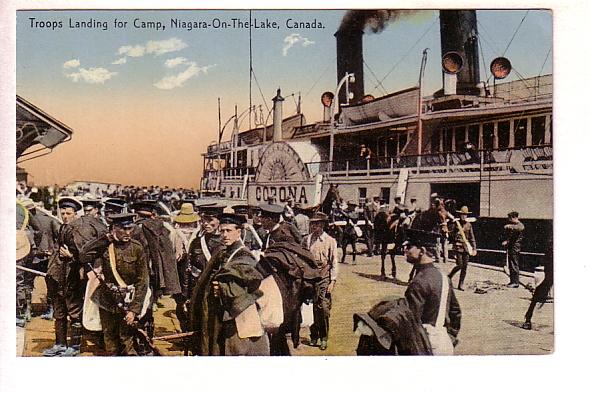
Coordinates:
323 248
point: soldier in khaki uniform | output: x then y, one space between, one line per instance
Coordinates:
123 263
463 245
323 248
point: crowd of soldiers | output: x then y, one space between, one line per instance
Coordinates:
107 260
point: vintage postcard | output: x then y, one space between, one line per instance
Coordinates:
284 182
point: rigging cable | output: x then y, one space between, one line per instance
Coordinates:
408 52
379 84
320 77
516 31
260 90
545 61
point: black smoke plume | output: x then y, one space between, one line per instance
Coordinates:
373 20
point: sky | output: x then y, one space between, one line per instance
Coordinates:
143 102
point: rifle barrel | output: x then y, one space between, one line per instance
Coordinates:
173 336
26 269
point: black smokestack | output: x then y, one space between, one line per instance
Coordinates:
458 33
349 48
349 43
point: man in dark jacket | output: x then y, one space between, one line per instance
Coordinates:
513 241
154 237
66 279
278 229
123 262
224 312
425 290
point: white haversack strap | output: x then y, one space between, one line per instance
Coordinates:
444 294
112 262
204 248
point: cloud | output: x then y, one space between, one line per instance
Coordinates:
91 75
294 38
132 51
155 48
171 63
307 42
122 60
72 63
160 47
173 81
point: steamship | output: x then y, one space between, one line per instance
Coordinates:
489 147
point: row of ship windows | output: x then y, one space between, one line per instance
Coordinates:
502 134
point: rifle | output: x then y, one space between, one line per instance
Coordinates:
140 333
26 269
470 249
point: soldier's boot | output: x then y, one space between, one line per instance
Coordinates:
28 307
181 315
48 315
75 340
527 325
462 279
323 344
20 321
61 332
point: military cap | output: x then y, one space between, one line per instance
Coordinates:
513 214
65 202
114 205
416 237
211 210
122 219
268 209
148 205
232 218
241 209
319 217
91 203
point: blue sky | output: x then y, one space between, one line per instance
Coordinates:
186 71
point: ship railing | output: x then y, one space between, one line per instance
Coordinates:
450 162
237 173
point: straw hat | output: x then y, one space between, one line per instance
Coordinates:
187 214
464 210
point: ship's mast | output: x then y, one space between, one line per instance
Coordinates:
250 87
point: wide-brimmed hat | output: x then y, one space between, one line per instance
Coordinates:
23 246
464 210
187 214
319 217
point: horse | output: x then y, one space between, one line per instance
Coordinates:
333 195
295 283
390 229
